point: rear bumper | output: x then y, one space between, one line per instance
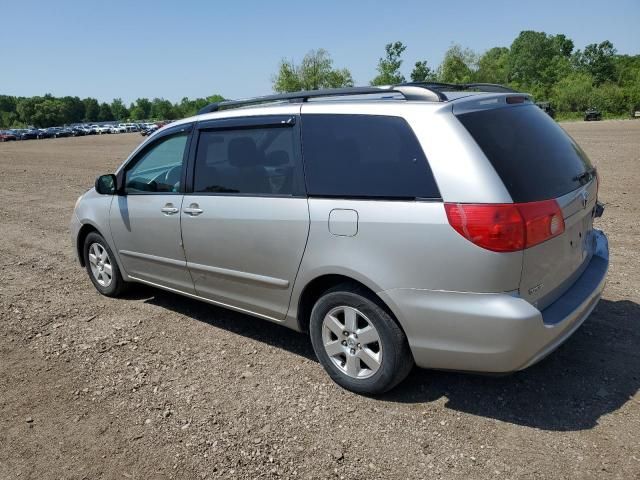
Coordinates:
494 332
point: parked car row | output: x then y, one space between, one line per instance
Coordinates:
77 131
149 128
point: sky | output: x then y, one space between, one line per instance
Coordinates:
175 49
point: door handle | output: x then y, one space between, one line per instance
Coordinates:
169 209
193 210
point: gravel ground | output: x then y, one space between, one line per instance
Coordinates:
160 386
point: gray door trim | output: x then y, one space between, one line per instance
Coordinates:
239 275
153 258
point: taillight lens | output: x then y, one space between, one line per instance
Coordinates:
507 227
494 227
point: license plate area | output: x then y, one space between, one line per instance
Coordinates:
581 240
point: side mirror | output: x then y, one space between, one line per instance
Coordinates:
106 184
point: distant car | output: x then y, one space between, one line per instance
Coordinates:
100 129
6 136
547 108
78 131
16 133
58 132
118 129
635 112
149 129
26 134
592 114
44 133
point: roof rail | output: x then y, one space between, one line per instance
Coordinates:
490 87
480 87
410 92
426 91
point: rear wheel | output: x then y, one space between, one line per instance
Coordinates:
102 267
357 342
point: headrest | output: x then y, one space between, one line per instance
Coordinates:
242 152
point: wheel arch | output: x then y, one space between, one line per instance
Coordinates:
315 288
85 230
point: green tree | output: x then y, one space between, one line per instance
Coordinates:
389 65
74 109
598 61
610 98
316 71
141 109
119 109
458 66
162 109
287 79
422 73
573 93
105 114
215 98
627 69
539 60
188 107
339 78
44 111
493 66
91 109
26 109
8 111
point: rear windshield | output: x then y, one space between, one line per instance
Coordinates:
534 157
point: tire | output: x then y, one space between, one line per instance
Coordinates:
368 368
96 246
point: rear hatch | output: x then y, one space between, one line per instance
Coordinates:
537 160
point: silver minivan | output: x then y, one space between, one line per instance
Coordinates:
446 226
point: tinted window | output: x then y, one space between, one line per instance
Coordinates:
158 168
534 157
254 161
364 156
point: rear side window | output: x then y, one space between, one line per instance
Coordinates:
533 156
364 156
251 161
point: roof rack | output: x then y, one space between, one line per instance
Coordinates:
480 87
425 91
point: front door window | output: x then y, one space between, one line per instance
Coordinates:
159 169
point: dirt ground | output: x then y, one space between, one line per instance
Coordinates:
160 386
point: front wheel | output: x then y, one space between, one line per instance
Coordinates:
102 267
357 342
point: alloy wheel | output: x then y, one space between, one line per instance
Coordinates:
352 342
100 264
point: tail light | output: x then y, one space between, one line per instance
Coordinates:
507 227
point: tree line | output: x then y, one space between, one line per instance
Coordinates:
547 66
48 111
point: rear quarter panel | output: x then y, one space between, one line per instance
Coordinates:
401 244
